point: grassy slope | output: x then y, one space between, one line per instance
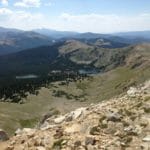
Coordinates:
13 116
106 85
82 93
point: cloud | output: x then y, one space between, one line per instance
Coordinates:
4 14
4 2
105 23
28 3
100 23
20 19
5 11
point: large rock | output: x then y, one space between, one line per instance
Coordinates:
18 131
147 138
59 119
114 117
28 131
3 135
75 114
132 92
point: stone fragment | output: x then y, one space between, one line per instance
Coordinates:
147 138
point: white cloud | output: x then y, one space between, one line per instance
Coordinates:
105 23
20 19
26 20
100 23
4 2
4 14
28 3
5 11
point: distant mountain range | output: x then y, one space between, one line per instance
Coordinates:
56 34
135 34
125 37
25 52
73 55
14 40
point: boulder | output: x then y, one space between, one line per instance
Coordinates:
75 114
59 119
3 135
28 130
132 92
147 138
18 131
114 116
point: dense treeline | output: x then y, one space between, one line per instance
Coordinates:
14 90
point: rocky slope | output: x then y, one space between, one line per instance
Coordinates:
122 123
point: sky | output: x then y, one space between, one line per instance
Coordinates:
99 16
